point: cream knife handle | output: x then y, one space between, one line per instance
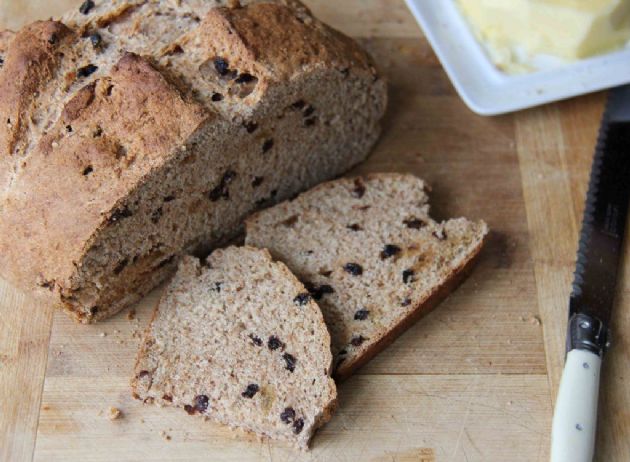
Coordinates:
575 416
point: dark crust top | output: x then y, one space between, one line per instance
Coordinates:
291 42
120 131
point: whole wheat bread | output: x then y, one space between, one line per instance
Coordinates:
371 256
238 340
136 131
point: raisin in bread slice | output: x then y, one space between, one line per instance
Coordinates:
371 256
238 339
134 132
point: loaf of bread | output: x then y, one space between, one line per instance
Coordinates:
133 132
371 256
237 339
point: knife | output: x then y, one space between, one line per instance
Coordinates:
593 294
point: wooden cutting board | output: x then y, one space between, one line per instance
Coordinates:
473 381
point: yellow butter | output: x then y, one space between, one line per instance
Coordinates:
516 30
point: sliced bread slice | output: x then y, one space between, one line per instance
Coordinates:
238 339
371 256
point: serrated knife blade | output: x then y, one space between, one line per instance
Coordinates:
605 215
594 285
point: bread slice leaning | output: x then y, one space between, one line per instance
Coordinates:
371 255
237 339
134 132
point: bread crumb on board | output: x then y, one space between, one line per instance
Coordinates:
165 435
113 413
532 319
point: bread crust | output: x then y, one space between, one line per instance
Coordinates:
31 61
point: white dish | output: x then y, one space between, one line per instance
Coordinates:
487 90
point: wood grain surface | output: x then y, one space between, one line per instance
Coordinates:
473 381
